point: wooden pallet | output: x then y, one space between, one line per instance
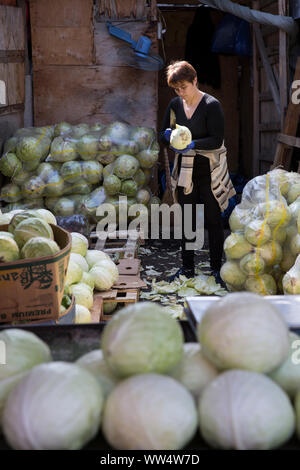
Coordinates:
126 290
121 296
124 242
129 266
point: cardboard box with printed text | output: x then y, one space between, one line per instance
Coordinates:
32 289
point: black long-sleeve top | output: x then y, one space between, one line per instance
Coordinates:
206 124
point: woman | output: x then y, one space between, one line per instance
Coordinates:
200 170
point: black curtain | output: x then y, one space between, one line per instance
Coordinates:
198 48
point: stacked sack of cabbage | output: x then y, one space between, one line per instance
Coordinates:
265 241
22 155
88 270
72 169
291 263
128 156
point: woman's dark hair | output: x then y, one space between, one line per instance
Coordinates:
180 71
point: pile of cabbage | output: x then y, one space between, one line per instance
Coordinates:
74 168
88 270
265 236
28 234
143 388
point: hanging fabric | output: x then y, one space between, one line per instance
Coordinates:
233 37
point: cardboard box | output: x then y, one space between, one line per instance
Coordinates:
32 289
66 318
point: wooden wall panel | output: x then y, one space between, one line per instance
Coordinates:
91 94
269 119
12 70
69 46
131 9
106 46
63 33
12 3
77 73
13 76
11 29
61 13
9 123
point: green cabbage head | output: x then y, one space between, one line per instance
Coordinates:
142 338
23 350
57 406
149 411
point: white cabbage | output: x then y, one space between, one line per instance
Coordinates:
93 256
47 216
38 247
149 411
288 259
295 245
94 362
83 294
240 331
244 410
82 314
291 279
57 406
271 252
287 375
5 218
109 307
9 250
102 278
275 212
142 338
88 280
232 274
253 263
23 350
263 284
294 209
257 232
238 219
180 137
80 260
194 371
293 193
279 234
80 243
74 273
110 266
236 246
32 227
297 409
